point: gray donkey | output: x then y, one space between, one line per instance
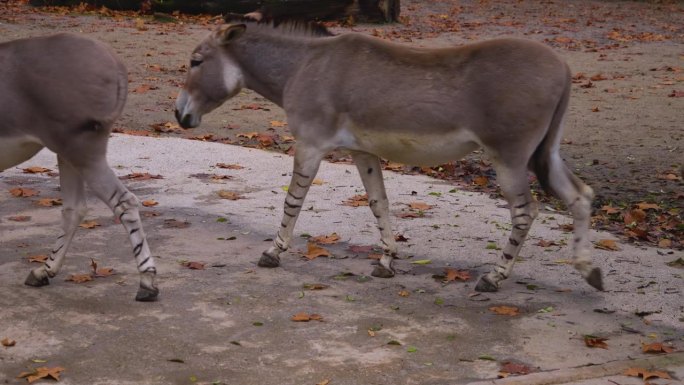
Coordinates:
64 92
411 105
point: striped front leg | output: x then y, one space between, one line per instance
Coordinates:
306 163
370 171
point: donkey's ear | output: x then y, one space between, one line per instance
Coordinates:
229 32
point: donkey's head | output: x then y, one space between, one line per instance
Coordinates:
213 77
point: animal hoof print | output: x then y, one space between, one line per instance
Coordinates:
595 279
146 294
32 280
268 261
382 272
483 285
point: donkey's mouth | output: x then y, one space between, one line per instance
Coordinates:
187 120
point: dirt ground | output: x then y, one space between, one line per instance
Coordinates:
624 131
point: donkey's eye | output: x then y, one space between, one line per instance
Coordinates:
195 63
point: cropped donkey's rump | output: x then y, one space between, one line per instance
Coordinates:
64 92
412 105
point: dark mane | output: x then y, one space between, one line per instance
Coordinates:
292 27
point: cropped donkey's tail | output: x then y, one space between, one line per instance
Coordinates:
541 160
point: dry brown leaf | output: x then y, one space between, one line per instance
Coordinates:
648 206
19 218
8 343
314 251
305 317
141 176
101 272
513 368
277 123
79 278
634 216
89 224
194 265
455 274
42 372
176 224
229 166
317 181
505 310
248 135
315 286
607 244
356 201
149 203
324 382
481 181
326 239
38 258
36 170
230 195
545 243
420 206
610 209
49 202
665 243
404 293
21 192
646 374
596 342
656 347
393 166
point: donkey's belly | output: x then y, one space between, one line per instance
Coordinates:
417 149
17 149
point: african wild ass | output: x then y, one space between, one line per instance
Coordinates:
412 105
64 92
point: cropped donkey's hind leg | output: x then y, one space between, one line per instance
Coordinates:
73 210
370 171
104 183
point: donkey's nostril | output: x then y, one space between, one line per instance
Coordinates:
186 121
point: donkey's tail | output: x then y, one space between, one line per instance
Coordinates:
546 154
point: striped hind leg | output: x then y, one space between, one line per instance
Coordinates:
577 196
104 183
370 171
73 210
307 159
523 209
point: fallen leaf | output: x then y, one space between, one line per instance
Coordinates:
79 278
404 293
545 243
314 251
610 209
194 265
648 206
317 181
595 342
422 262
326 239
8 343
38 258
454 274
481 181
176 224
656 347
229 166
315 286
607 244
665 243
36 170
645 374
89 224
324 382
104 272
513 368
141 176
420 206
356 201
277 123
21 192
305 317
42 372
149 203
19 218
230 195
49 202
505 310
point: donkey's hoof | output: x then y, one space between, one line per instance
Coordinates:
595 279
146 294
381 271
267 260
485 286
34 281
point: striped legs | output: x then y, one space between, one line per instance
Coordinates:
306 162
370 171
523 210
104 183
73 210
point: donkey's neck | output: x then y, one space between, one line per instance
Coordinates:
268 62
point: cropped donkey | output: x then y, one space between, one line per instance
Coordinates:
411 105
64 92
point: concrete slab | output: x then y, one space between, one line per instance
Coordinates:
231 323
